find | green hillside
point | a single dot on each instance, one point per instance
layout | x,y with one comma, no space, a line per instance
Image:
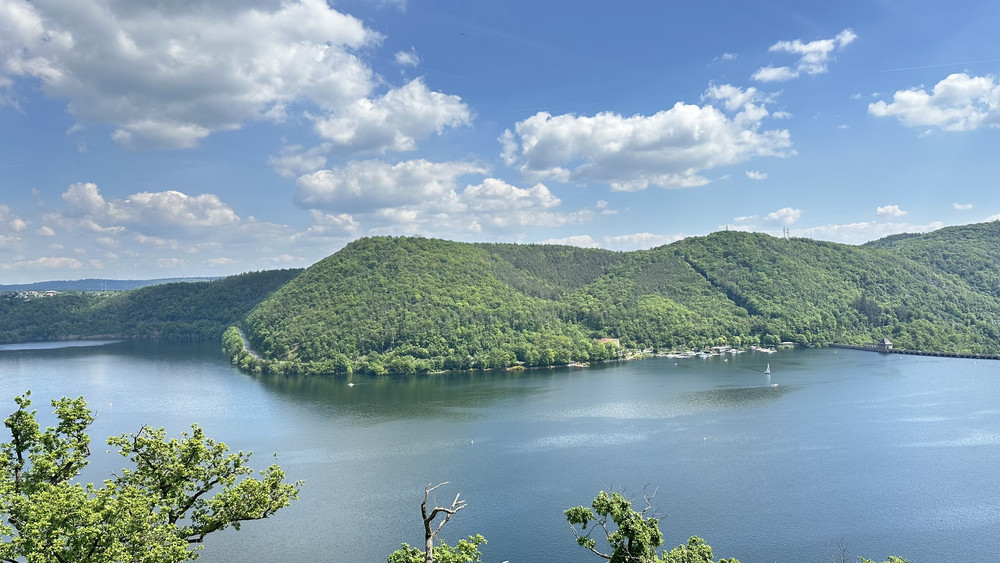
413,304
181,310
407,305
410,304
971,252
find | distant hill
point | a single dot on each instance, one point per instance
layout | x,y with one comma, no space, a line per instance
411,304
408,304
179,310
971,252
95,284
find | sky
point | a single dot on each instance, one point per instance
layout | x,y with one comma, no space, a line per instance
170,138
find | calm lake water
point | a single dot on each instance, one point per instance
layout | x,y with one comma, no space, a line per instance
885,454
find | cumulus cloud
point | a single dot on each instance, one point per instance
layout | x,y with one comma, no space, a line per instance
785,216
813,57
395,121
957,103
9,222
890,211
167,75
44,263
639,241
756,175
864,231
293,160
771,73
961,206
408,58
364,186
170,212
582,241
415,196
636,241
669,149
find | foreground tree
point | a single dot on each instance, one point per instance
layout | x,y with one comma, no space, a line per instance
179,491
631,536
465,551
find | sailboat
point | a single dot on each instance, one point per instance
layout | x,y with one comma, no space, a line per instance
768,369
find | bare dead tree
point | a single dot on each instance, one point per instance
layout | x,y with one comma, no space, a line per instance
430,530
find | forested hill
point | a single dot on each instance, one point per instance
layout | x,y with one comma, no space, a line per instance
971,252
412,304
181,310
92,284
406,305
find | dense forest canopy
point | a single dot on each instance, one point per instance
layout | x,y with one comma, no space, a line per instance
180,310
408,304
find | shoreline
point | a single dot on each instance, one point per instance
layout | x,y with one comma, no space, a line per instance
918,352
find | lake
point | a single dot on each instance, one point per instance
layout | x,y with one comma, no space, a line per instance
885,454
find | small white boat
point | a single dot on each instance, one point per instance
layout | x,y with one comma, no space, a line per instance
768,369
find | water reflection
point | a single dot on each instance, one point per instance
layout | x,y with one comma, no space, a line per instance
734,397
55,345
454,396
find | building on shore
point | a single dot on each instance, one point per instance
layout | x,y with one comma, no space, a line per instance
884,345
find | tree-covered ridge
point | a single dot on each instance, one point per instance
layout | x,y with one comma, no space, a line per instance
411,304
970,252
182,310
814,292
406,305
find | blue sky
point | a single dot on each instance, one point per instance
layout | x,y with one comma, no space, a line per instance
193,138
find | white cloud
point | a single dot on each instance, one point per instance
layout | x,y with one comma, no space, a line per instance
957,103
167,75
890,211
419,196
496,195
44,263
393,122
10,222
340,224
961,206
773,74
294,160
582,241
639,241
785,216
364,186
813,57
993,218
171,212
636,241
408,58
864,231
745,218
726,57
669,149
756,175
